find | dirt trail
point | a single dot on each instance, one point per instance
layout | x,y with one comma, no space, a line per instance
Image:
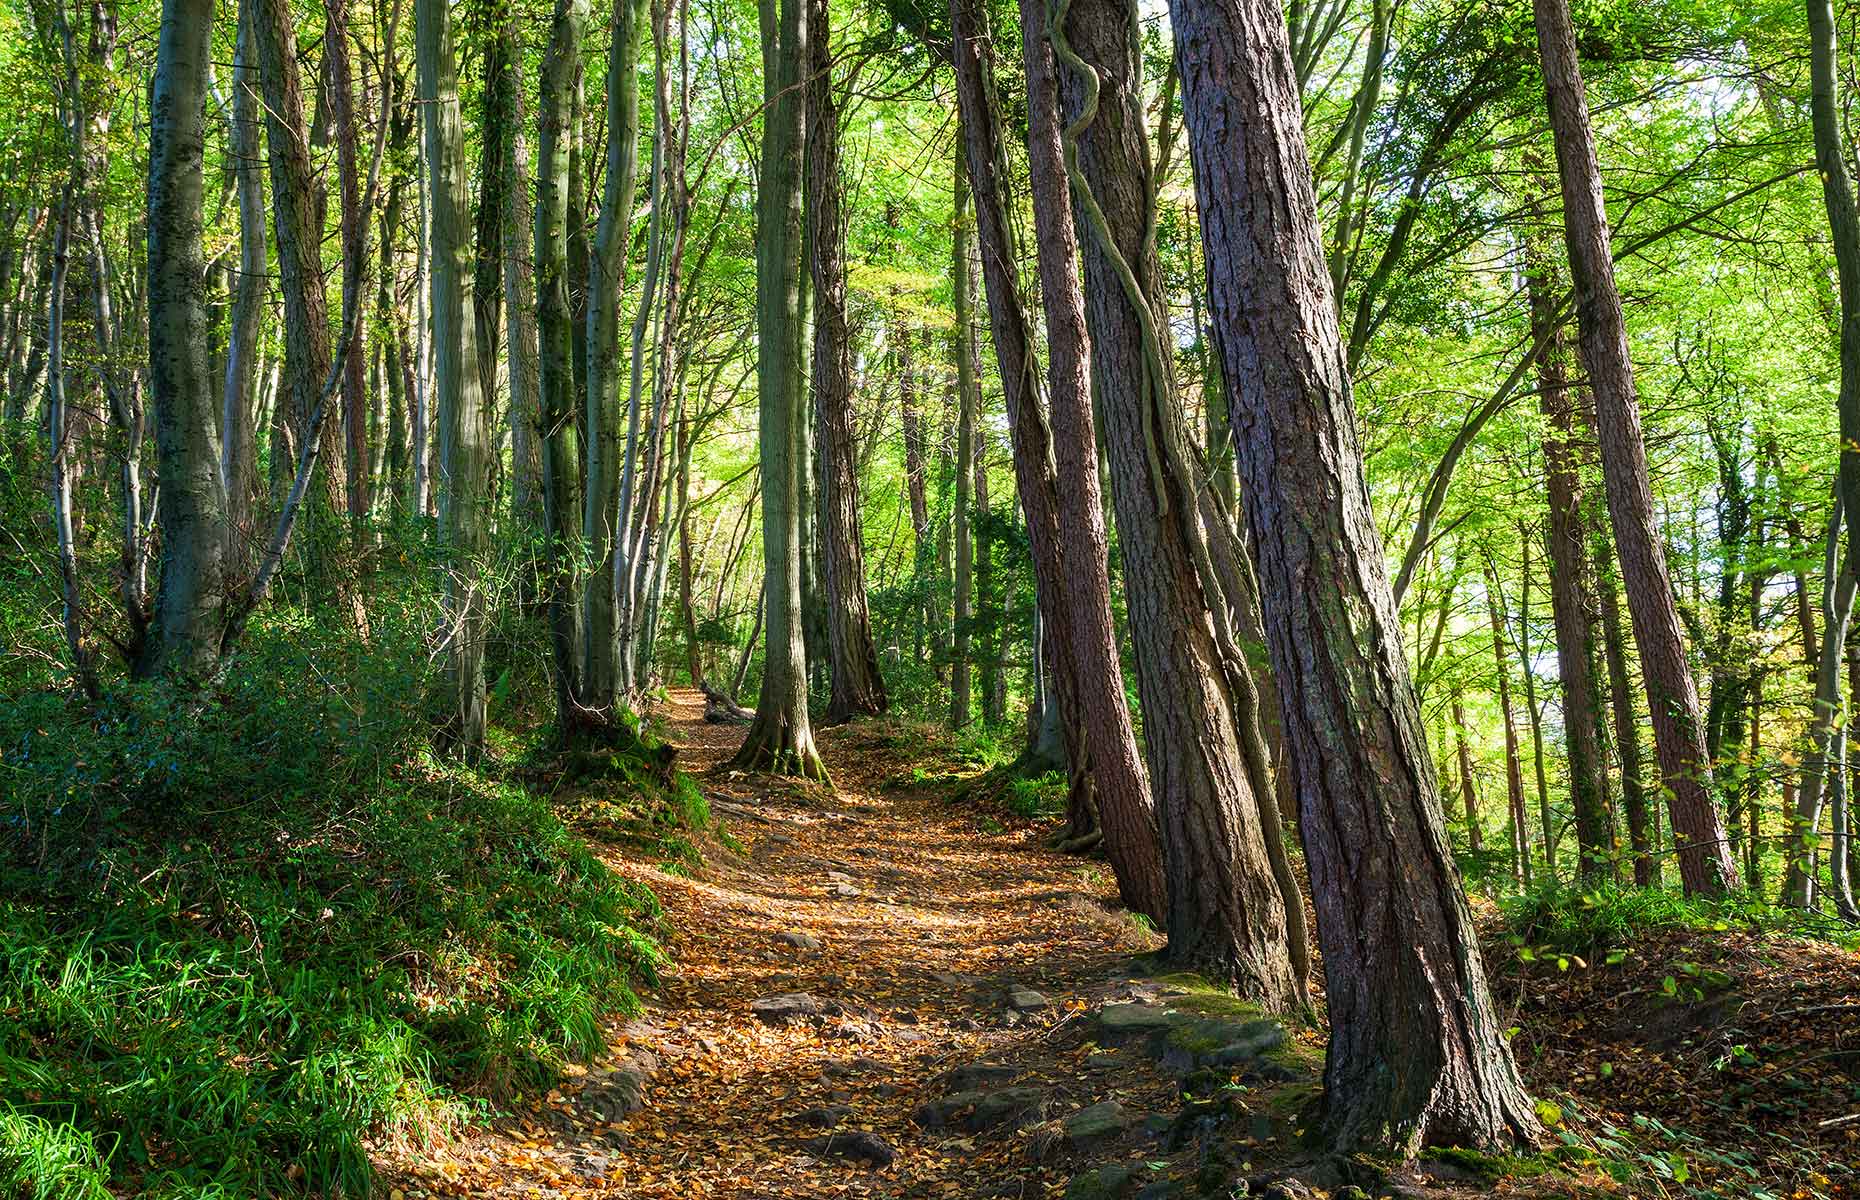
915,927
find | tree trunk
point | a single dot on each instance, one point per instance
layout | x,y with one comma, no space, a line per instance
1572,582
340,92
781,739
1229,910
968,400
1705,864
857,686
1546,827
520,337
1056,468
238,430
297,217
556,394
190,605
464,461
1417,1052
1641,834
1469,793
602,500
1514,767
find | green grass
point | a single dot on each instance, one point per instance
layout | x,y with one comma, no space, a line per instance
242,942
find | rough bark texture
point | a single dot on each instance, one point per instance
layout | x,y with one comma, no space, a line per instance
1705,864
184,636
1055,465
1417,1053
341,101
519,275
1227,908
857,686
781,739
464,460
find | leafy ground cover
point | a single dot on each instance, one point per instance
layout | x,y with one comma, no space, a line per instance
244,945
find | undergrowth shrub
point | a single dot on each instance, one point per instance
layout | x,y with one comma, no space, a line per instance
1610,916
242,938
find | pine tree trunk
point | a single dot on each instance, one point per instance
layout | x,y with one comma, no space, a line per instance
184,638
781,739
520,338
1705,864
1417,1053
857,686
1228,909
341,99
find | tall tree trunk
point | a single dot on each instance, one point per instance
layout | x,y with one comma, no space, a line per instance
1705,865
341,99
1514,766
190,605
1417,1052
781,739
1572,581
857,686
1546,827
498,121
1801,841
519,275
1469,792
1642,837
239,402
1229,910
464,461
556,395
968,400
296,199
1055,463
602,501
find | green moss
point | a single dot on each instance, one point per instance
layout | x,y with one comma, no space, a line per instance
1215,1004
1488,1169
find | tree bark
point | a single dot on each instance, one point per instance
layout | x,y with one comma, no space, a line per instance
190,604
1055,463
1229,910
968,400
1417,1052
464,461
1514,766
520,338
1572,579
556,393
781,740
1705,864
857,686
340,93
238,429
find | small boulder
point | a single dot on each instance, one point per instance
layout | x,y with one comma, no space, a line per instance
785,1009
976,1111
1101,1183
1124,1022
859,1145
979,1075
799,941
1104,1120
1026,1000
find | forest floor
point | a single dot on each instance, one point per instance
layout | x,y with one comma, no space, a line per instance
874,992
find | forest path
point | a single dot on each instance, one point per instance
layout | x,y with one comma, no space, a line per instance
909,922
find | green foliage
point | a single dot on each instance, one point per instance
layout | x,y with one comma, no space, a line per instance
1551,921
1037,796
240,934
